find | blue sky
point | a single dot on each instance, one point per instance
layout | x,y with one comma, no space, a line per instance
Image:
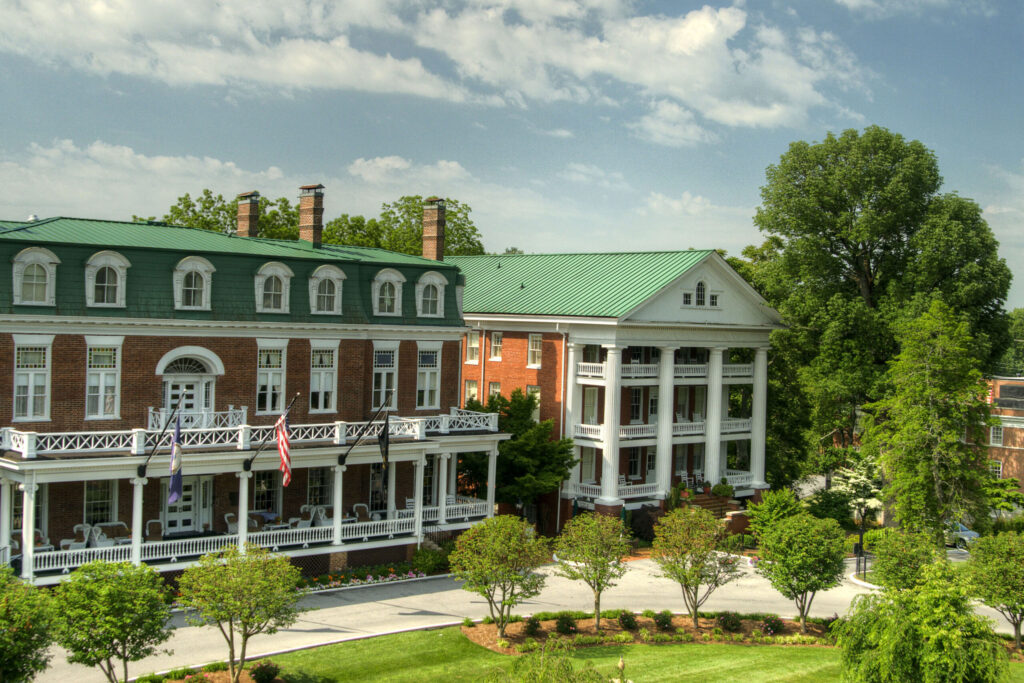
567,125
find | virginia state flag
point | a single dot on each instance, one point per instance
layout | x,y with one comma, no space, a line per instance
175,487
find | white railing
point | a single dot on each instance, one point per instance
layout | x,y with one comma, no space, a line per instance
51,442
284,537
645,431
384,527
68,559
691,370
5,554
738,370
739,477
468,421
731,425
466,509
199,419
638,370
590,370
588,490
5,438
587,431
687,428
431,513
637,490
186,547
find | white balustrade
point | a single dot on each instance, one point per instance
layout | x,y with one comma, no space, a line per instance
59,560
639,370
645,431
732,425
186,547
588,490
691,370
637,490
587,431
738,370
199,419
5,554
739,477
430,513
384,527
687,428
278,538
466,508
595,370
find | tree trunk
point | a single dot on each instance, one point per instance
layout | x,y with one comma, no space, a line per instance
803,622
597,611
124,663
1016,635
241,657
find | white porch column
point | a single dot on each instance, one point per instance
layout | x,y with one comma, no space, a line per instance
419,464
666,416
453,475
137,484
713,424
339,509
391,489
758,416
574,473
492,474
610,429
442,487
6,489
28,529
572,394
243,509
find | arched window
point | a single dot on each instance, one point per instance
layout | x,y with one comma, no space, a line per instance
35,277
106,274
700,293
272,288
430,295
387,292
193,284
325,290
105,288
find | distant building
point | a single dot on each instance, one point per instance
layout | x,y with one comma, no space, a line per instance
1006,442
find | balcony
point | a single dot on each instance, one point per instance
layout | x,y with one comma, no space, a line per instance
641,431
624,491
199,419
736,425
686,371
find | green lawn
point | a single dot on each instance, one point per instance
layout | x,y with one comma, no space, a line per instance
446,655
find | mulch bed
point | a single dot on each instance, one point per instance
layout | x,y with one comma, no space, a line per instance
486,635
220,677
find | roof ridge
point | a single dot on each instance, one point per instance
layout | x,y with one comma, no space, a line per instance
584,253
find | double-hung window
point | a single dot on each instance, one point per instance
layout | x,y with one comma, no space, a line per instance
273,287
995,436
636,399
472,390
385,375
473,346
532,390
266,491
428,375
996,468
651,462
494,388
652,405
496,345
323,377
270,376
103,382
100,501
533,353
588,465
321,486
32,377
634,463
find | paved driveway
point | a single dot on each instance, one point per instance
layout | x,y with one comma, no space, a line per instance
355,613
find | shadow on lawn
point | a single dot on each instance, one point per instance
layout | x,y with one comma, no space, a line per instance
300,677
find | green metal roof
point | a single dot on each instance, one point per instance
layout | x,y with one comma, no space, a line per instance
123,234
593,285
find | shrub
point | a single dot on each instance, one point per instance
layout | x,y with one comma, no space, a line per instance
468,623
737,637
645,635
581,639
503,644
900,557
264,671
724,490
515,618
730,621
649,613
663,620
718,632
429,561
532,627
200,677
487,620
662,638
643,521
180,672
772,624
756,633
623,638
565,624
151,678
774,506
528,646
216,666
612,613
831,504
749,542
627,620
685,637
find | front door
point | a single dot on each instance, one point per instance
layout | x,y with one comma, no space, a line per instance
192,397
183,515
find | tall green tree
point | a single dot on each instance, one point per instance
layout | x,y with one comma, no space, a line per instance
901,556
592,549
109,614
26,628
918,432
279,218
996,571
1012,362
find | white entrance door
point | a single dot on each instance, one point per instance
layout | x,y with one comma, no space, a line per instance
194,396
183,515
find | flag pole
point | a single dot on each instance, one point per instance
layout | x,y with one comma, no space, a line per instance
141,471
366,428
247,464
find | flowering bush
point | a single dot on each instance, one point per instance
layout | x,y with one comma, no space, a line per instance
362,576
565,624
197,677
264,671
772,625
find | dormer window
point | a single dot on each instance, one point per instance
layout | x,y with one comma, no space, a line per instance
35,277
106,277
700,293
387,292
325,290
193,282
430,295
272,288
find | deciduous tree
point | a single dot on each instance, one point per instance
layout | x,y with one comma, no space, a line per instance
279,218
591,549
26,628
773,508
901,556
400,228
996,572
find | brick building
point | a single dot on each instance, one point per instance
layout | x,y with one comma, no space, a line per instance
655,364
108,328
1006,442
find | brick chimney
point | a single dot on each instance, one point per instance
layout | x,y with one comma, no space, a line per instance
311,213
433,229
248,214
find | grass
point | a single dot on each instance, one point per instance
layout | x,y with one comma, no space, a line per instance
444,654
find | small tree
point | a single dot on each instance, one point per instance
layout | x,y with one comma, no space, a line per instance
800,556
928,633
242,595
996,570
861,482
900,556
774,506
686,543
591,548
497,559
26,628
110,613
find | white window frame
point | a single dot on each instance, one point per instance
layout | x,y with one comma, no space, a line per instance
427,376
588,471
201,266
395,278
473,346
590,405
275,490
112,500
493,389
687,299
326,273
384,371
325,486
281,373
653,394
476,390
534,356
104,374
267,271
106,259
33,341
431,277
496,339
324,374
714,299
41,257
995,436
652,459
700,294
636,405
995,467
634,464
535,390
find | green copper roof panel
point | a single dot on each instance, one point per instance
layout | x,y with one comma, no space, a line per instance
595,285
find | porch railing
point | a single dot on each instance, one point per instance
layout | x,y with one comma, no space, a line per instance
587,431
639,370
56,560
187,547
5,554
687,428
739,477
623,490
688,370
738,370
637,490
199,419
732,425
302,537
476,508
643,431
590,370
587,490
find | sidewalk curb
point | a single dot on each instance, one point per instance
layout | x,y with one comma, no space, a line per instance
863,584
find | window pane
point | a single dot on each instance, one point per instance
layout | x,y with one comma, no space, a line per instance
33,284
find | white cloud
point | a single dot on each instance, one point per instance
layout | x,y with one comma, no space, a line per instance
880,9
557,133
1005,215
691,220
670,125
588,174
396,171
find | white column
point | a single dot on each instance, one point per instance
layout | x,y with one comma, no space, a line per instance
6,489
418,497
713,420
492,474
574,474
666,415
612,410
137,484
243,509
758,416
28,529
453,475
572,394
391,489
442,487
339,509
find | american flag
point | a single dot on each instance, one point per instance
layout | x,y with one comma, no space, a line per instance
281,432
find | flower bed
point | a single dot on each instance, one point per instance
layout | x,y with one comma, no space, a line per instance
360,577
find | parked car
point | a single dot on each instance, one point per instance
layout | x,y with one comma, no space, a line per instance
959,535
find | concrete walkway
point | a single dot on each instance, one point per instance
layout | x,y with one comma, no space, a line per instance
373,610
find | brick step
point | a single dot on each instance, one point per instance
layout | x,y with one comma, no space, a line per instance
716,505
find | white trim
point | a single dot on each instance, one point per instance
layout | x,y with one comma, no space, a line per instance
475,347
429,345
113,485
198,351
199,265
326,273
385,344
44,341
33,339
324,345
529,343
275,343
280,345
435,348
267,271
391,346
35,256
431,277
501,339
992,441
104,340
106,259
394,277
114,343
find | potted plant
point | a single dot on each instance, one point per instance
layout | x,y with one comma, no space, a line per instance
706,486
723,489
